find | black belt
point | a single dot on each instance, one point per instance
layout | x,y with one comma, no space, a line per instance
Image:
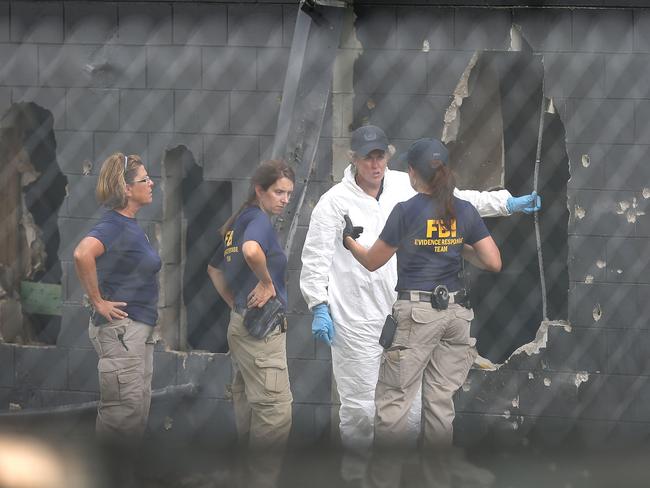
458,296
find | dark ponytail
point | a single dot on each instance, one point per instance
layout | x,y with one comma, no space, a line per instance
267,173
440,181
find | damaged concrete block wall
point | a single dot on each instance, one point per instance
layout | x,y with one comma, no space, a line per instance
195,89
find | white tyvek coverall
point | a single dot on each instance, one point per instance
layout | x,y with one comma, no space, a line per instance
358,299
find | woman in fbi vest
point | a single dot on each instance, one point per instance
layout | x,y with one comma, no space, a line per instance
431,345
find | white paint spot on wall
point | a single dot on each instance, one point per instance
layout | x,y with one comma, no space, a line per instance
619,271
425,46
601,264
622,206
629,209
580,212
531,376
646,193
515,402
169,422
547,381
589,279
581,377
597,313
466,386
568,328
506,414
586,161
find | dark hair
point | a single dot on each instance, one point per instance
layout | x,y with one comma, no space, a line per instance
440,182
267,173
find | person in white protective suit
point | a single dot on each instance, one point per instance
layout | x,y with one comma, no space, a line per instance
350,303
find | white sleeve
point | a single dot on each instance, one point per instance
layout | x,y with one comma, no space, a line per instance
320,245
488,203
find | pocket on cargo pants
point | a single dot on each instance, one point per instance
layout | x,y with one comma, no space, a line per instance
276,376
121,381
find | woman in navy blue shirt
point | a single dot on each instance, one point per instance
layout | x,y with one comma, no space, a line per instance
432,347
248,269
118,269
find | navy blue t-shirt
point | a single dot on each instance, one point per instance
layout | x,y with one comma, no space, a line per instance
127,271
251,225
428,254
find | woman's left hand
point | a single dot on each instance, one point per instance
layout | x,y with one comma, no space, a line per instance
261,294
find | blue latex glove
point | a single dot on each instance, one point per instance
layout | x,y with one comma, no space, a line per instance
322,327
526,203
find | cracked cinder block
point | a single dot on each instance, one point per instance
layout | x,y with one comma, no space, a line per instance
7,361
254,112
489,392
92,109
41,367
300,343
18,64
209,371
587,166
82,371
37,22
92,66
310,380
587,258
255,25
550,394
74,327
200,24
230,157
52,99
90,23
482,29
628,260
160,143
581,349
602,212
272,66
165,366
611,305
574,75
624,75
545,29
145,23
425,28
75,152
628,352
146,110
80,201
604,121
229,68
601,30
379,71
376,26
174,67
421,116
201,112
444,70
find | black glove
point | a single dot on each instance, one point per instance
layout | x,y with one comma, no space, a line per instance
350,230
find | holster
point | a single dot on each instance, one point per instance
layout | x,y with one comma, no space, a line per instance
260,322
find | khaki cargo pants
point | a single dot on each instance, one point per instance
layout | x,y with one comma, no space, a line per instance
431,348
125,350
260,388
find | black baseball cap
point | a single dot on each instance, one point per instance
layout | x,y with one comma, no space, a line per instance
423,151
368,138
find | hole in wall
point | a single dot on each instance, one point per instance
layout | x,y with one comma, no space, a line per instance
32,189
194,315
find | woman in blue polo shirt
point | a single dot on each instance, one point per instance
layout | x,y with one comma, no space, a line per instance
118,269
248,269
432,346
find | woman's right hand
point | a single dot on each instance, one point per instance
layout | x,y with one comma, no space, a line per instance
111,310
261,294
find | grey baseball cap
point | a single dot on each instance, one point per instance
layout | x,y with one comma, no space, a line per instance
368,138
